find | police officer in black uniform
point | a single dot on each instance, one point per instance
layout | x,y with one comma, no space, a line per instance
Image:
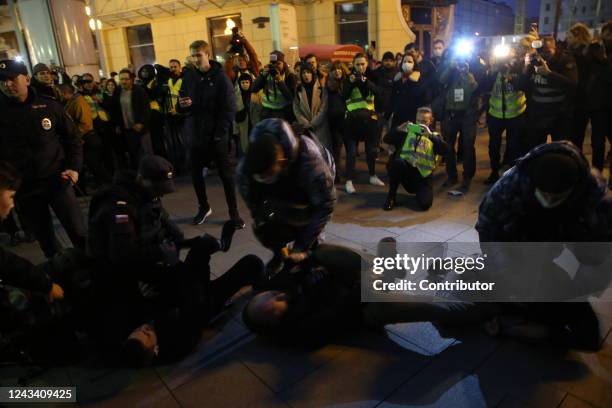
42,142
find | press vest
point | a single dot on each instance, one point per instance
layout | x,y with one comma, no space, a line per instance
174,91
418,150
506,102
273,98
357,101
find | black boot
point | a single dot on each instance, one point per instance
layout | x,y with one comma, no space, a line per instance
389,203
492,178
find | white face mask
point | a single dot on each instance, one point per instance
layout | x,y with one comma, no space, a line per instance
547,202
407,66
266,180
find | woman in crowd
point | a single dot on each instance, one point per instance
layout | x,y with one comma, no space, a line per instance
336,109
310,105
249,110
408,93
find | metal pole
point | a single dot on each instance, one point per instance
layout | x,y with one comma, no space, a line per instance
100,45
557,19
23,49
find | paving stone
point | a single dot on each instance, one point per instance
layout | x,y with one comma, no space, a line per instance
572,402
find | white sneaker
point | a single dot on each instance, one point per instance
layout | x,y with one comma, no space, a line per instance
350,188
375,181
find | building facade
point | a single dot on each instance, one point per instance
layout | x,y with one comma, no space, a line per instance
484,17
590,12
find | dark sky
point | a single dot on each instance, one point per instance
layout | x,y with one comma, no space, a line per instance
533,6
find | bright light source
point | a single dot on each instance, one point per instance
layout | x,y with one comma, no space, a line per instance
88,11
464,47
476,33
293,48
92,24
501,51
99,24
19,58
229,24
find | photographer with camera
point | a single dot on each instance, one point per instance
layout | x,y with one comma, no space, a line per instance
241,57
414,160
551,78
460,112
153,78
361,121
278,85
507,105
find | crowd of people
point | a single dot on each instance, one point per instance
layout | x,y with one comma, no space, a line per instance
133,133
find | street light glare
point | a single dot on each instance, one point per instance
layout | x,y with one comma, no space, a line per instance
501,51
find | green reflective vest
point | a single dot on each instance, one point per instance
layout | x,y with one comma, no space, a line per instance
506,102
95,103
273,98
418,150
357,101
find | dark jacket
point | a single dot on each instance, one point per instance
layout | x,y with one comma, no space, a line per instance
599,86
213,104
460,90
286,87
307,181
21,273
127,225
406,98
337,104
366,88
510,211
45,90
38,137
324,295
140,107
383,78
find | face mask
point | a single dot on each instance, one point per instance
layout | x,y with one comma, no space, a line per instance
265,180
438,53
547,203
407,67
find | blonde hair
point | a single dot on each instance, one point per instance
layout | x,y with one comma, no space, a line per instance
581,33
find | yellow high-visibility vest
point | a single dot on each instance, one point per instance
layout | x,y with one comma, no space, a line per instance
418,150
357,101
174,91
506,102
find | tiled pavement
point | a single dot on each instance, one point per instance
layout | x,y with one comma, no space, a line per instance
407,365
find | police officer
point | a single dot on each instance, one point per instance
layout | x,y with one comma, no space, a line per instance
416,148
43,143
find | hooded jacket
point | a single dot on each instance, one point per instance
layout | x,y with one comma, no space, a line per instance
307,180
511,213
213,104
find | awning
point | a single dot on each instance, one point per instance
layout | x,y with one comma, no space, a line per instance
331,52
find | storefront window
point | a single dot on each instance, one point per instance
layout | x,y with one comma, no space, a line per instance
221,34
352,23
140,43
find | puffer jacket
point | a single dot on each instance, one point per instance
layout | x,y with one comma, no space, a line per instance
308,180
511,213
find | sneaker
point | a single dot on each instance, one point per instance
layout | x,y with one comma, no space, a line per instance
375,181
202,215
350,188
492,178
238,222
451,181
465,186
389,204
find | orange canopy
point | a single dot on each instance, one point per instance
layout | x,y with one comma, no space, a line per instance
331,52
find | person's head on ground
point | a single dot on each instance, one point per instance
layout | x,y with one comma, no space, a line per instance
360,63
156,174
266,311
245,81
9,184
42,73
265,159
126,79
554,176
424,116
14,80
388,60
200,54
66,91
175,68
141,347
438,48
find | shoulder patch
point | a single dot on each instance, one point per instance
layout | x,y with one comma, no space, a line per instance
122,219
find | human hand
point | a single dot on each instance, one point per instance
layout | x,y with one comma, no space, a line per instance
297,257
70,175
56,293
543,69
138,127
